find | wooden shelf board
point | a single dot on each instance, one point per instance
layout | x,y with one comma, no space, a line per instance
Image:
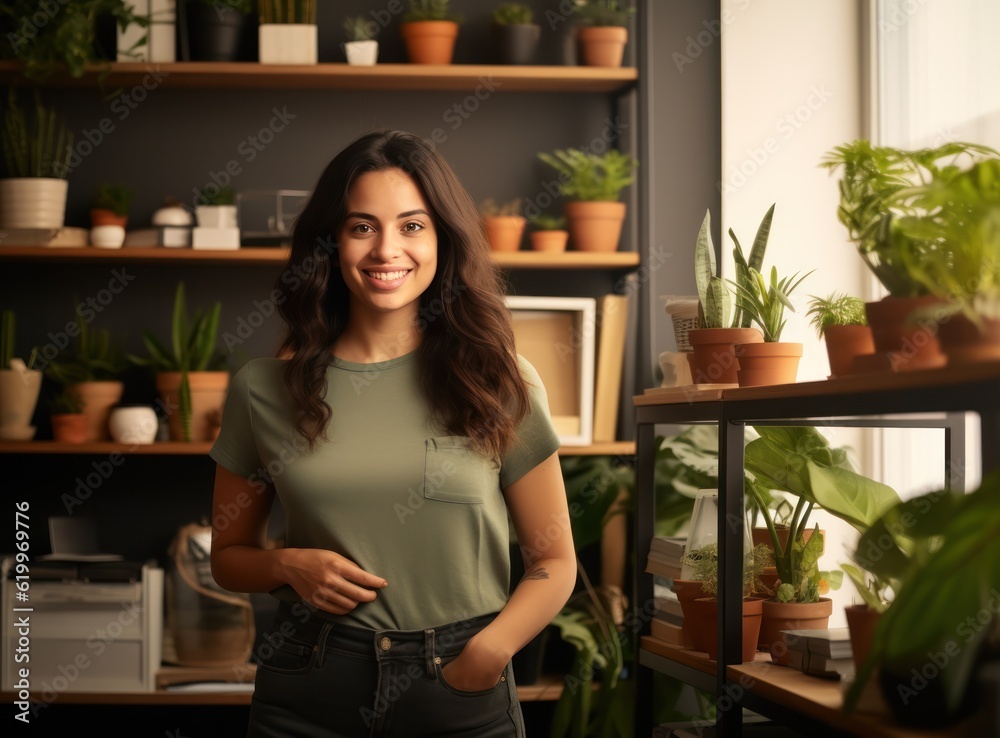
821,700
341,76
261,254
692,659
682,394
606,448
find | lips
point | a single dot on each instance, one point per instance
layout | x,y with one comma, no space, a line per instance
386,279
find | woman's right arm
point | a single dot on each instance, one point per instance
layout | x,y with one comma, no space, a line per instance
241,561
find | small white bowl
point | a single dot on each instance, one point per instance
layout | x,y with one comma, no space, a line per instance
137,424
107,236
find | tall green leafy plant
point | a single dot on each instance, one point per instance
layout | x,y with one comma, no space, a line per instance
287,11
591,177
39,145
765,303
192,349
92,358
8,332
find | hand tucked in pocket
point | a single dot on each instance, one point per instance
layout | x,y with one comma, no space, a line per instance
472,671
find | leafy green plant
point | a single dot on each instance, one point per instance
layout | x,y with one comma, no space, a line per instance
192,349
952,238
35,146
604,12
742,317
837,309
591,177
359,28
507,14
92,358
66,38
957,577
287,11
221,196
66,403
872,201
766,303
705,563
431,10
8,324
116,198
543,222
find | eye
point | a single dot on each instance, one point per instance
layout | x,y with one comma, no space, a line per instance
413,227
362,228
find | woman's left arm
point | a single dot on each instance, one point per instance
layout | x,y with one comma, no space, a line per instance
538,507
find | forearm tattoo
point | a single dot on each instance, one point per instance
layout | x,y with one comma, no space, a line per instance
538,573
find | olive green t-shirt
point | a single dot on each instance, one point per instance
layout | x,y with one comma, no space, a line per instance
389,489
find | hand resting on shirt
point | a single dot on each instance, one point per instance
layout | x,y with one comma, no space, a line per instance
329,581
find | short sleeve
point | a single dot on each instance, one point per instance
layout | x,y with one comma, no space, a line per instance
235,448
536,436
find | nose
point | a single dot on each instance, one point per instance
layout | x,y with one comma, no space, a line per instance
386,246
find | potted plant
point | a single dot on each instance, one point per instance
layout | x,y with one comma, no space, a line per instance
216,210
69,424
712,358
20,384
841,320
191,376
872,203
92,370
37,153
504,224
773,361
65,36
513,35
287,33
958,213
111,205
361,48
548,233
213,29
429,31
705,561
602,40
594,183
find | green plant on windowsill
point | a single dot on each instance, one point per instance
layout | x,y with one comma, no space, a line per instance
766,303
66,38
92,358
431,10
590,177
837,309
511,14
192,349
37,146
604,12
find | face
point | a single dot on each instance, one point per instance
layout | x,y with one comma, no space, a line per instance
388,244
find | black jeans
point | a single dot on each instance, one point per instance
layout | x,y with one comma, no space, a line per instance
316,678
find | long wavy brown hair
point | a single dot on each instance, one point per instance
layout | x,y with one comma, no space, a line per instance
467,360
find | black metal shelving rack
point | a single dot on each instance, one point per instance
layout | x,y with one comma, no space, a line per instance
925,399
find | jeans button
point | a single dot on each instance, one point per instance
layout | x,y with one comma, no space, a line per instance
385,643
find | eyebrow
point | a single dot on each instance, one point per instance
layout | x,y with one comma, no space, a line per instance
407,214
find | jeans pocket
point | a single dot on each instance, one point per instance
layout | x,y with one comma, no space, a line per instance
478,693
282,656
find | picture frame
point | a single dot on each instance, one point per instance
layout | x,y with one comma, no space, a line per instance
556,335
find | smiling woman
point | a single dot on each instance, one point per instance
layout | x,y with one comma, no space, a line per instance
421,430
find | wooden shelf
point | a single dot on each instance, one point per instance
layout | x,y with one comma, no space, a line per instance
199,448
273,255
381,77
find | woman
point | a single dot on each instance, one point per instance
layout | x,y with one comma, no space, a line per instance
398,433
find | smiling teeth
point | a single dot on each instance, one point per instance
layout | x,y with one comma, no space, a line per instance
388,276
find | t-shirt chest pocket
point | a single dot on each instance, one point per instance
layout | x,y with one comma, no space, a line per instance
455,472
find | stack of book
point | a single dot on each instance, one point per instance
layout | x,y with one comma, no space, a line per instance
825,652
664,562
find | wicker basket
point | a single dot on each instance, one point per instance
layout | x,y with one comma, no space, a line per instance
684,313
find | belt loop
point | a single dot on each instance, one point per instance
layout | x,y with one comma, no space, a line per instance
321,642
429,653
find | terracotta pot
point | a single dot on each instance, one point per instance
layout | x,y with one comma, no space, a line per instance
861,621
208,393
963,342
98,399
843,343
549,240
779,616
430,42
70,428
595,226
505,231
767,363
752,609
713,360
900,344
761,536
602,46
103,216
688,592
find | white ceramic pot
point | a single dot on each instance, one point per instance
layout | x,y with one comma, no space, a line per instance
136,425
172,215
287,43
19,388
361,53
216,216
33,202
107,236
